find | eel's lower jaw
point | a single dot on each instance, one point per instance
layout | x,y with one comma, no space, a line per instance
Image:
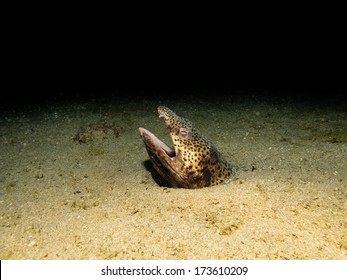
155,145
164,160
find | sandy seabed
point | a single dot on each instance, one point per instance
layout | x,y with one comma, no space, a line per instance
74,182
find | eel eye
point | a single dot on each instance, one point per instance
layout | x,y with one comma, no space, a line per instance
184,133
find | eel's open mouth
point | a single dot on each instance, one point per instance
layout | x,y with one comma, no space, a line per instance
163,158
155,145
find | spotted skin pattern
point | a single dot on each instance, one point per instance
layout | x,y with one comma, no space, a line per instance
197,163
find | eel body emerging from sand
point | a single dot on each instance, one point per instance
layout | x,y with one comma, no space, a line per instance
194,162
